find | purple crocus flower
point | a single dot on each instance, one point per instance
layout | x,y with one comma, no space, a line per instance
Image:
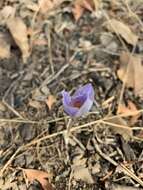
80,102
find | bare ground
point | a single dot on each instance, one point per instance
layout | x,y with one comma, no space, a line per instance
105,149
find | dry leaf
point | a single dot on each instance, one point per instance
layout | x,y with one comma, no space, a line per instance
129,109
18,30
77,11
34,104
123,30
82,173
7,12
48,5
133,108
50,101
4,47
97,4
122,109
40,176
126,133
122,72
131,72
79,7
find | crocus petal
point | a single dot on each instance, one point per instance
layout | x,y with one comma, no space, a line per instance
70,110
78,99
84,109
86,89
66,97
80,103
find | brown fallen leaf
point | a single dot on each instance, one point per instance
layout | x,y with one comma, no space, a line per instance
7,12
77,11
4,47
40,176
80,5
48,5
129,109
18,30
133,76
123,30
122,109
122,127
50,101
82,173
122,73
134,118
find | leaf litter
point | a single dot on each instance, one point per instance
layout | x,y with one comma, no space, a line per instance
82,173
4,47
39,175
80,5
48,5
47,149
122,128
123,30
50,101
131,72
129,109
18,30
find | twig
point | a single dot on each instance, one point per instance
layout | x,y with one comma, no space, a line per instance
97,148
66,136
48,80
10,160
123,168
93,123
116,125
12,109
132,13
31,122
131,174
49,49
70,180
78,142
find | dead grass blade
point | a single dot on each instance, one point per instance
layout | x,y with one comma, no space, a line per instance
93,123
